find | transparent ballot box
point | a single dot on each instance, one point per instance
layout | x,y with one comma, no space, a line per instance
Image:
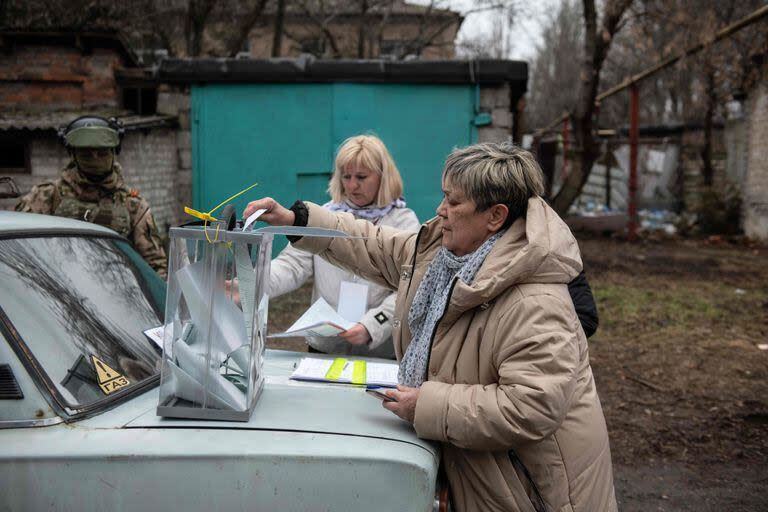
215,323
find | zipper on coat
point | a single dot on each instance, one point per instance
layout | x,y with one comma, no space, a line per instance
539,505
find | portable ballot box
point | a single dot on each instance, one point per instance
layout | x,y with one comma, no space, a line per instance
215,323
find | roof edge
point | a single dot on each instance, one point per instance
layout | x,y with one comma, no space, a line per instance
307,70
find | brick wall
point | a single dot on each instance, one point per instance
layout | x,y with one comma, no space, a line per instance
150,163
40,77
755,191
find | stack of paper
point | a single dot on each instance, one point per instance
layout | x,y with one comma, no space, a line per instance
320,320
320,370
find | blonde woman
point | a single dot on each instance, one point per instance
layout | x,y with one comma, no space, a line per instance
367,184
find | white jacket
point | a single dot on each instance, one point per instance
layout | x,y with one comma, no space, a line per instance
293,267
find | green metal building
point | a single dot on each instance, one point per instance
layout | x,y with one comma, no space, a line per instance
280,122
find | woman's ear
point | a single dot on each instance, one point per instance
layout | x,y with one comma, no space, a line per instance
497,214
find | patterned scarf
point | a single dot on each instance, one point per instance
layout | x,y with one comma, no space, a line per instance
430,302
370,213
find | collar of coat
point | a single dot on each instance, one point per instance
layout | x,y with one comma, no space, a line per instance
539,248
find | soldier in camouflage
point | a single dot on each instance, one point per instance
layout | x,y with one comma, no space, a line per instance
91,189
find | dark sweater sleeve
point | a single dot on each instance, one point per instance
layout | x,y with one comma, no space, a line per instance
301,217
584,303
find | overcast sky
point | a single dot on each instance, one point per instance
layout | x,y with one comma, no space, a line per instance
529,20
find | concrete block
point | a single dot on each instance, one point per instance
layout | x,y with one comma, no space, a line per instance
184,139
183,100
185,158
166,104
184,178
184,122
494,96
502,118
493,134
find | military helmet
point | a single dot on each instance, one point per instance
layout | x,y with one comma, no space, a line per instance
92,132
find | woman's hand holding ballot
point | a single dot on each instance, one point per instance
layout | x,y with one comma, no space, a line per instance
275,214
405,406
357,335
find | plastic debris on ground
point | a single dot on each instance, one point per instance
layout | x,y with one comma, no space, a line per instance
665,221
596,218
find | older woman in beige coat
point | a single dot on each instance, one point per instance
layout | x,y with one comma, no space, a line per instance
493,361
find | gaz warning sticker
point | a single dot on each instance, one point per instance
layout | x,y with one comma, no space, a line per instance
109,380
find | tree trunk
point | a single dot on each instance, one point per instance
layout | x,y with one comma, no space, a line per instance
277,41
194,25
361,29
707,169
597,42
582,116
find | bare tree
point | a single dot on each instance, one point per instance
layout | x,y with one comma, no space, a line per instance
598,36
556,67
497,43
428,26
639,35
187,28
277,39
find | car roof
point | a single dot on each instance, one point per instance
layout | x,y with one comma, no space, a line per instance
34,223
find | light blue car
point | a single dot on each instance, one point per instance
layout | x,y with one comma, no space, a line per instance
71,291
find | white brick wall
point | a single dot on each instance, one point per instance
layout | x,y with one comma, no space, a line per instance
755,197
150,164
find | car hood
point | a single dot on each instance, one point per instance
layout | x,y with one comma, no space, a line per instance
284,405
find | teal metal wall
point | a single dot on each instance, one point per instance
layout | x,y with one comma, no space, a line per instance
285,136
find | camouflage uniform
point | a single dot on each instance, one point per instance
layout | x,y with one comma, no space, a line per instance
108,203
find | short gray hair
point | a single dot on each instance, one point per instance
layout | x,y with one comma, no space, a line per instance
496,173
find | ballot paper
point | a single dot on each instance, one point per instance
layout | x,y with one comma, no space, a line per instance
319,321
353,300
317,370
196,369
253,217
155,334
228,331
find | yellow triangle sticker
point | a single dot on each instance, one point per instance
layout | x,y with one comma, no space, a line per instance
110,380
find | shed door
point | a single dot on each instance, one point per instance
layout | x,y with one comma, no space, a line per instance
285,137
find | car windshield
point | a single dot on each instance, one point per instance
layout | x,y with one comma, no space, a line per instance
81,305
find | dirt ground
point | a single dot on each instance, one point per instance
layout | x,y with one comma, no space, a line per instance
682,381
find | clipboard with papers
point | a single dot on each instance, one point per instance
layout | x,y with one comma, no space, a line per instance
347,371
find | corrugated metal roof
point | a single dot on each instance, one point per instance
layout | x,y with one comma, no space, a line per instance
52,120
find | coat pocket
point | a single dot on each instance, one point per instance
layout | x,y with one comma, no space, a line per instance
537,500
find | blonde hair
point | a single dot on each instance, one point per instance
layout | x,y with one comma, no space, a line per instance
367,152
492,174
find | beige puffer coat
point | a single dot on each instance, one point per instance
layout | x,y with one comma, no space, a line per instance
509,368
